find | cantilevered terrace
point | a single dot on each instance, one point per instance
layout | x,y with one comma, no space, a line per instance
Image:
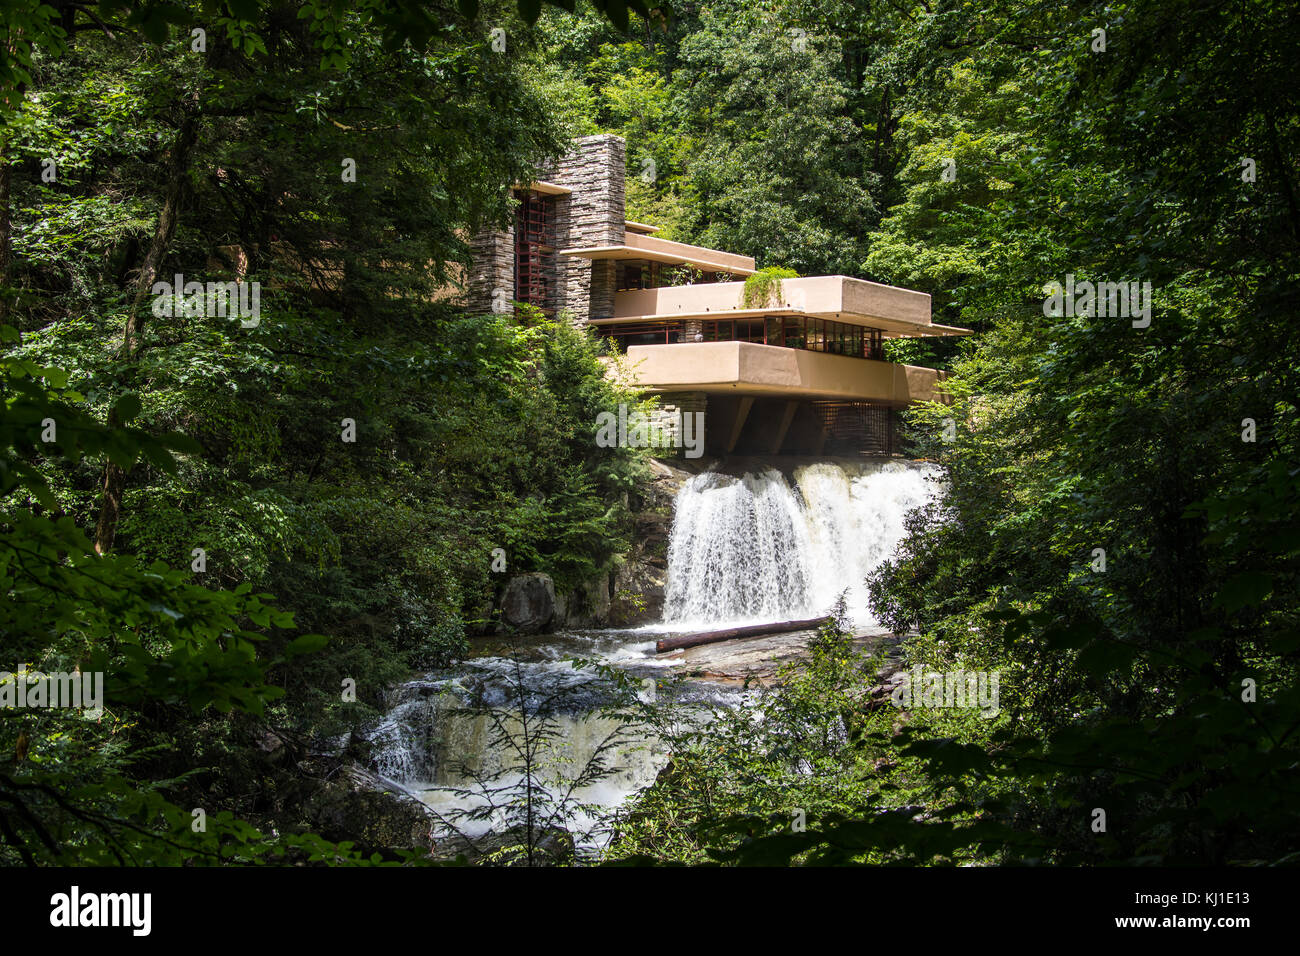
821,338
804,372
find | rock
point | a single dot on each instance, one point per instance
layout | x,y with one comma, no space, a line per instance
356,806
552,846
596,593
639,582
661,490
270,742
639,590
586,606
528,604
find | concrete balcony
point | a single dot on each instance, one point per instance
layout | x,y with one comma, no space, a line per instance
897,312
745,368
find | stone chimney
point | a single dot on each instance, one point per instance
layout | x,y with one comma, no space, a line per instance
591,215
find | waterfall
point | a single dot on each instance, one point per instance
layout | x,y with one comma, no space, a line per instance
757,549
754,548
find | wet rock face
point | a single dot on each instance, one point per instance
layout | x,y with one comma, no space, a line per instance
528,604
587,605
375,821
639,583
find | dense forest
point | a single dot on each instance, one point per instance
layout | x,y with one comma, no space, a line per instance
255,528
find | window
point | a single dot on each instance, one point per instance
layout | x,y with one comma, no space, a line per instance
792,332
534,251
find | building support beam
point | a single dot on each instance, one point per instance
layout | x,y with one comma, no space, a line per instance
738,424
787,416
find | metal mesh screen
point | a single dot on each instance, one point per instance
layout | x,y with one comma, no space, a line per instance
858,428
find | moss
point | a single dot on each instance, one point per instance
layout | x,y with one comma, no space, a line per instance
763,288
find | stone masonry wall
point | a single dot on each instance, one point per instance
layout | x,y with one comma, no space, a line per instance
667,419
593,215
494,268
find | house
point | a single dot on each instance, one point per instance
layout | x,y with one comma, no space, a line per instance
799,369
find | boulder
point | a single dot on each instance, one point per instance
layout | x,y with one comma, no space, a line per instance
356,806
586,606
528,603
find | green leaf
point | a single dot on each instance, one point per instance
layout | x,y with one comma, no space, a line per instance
307,644
1244,590
128,407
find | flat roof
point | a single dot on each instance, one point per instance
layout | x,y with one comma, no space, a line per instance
545,188
639,226
624,253
837,298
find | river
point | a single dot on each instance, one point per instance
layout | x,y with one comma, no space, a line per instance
520,719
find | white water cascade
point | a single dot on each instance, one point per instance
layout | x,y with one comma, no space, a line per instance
756,549
457,742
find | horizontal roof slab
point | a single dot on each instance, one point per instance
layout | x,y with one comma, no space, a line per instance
637,246
547,189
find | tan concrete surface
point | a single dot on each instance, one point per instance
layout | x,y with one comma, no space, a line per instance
841,298
745,368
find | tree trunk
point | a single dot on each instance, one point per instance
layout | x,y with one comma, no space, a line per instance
110,508
12,103
5,233
731,633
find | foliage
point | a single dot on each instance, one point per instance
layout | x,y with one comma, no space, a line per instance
472,433
763,288
1118,539
161,645
761,783
1111,541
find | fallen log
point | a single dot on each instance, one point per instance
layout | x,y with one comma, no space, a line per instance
731,633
